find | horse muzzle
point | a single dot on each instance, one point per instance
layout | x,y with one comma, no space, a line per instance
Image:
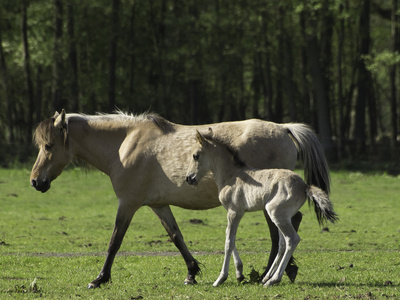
41,186
191,179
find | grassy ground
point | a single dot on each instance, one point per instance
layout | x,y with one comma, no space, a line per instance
53,244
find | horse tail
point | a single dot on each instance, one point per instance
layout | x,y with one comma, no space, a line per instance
322,205
311,153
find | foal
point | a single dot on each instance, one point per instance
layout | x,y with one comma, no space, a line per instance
278,191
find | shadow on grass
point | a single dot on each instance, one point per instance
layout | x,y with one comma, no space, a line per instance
385,284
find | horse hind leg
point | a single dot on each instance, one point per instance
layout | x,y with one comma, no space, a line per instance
168,221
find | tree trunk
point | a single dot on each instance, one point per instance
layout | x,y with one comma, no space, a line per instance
57,59
266,73
363,81
9,102
393,73
305,89
27,70
132,57
278,113
73,58
113,55
340,130
38,95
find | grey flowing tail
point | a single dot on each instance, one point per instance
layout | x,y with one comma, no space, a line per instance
311,153
322,205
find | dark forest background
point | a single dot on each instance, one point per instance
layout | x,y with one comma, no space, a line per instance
332,64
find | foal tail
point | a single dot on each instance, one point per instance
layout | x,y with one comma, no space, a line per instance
322,205
311,152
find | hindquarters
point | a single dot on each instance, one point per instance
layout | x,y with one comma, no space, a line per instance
287,194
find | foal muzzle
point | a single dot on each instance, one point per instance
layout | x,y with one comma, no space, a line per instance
191,179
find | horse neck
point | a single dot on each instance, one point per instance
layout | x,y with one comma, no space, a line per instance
222,166
95,142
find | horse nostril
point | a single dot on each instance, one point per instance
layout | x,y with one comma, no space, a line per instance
34,183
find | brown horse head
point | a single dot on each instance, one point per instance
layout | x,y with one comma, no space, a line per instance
51,137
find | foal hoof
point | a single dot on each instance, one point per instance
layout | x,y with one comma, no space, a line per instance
240,279
271,282
291,272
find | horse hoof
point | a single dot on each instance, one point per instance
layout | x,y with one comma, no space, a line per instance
190,281
291,272
93,285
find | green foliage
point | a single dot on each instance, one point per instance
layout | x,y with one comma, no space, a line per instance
384,59
194,62
53,244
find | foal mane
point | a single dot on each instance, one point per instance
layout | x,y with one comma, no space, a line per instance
228,147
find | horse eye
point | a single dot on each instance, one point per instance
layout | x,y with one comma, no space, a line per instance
48,147
196,157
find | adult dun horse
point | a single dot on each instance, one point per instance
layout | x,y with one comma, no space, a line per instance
145,157
241,189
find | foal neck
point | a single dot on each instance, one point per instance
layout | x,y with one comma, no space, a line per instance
223,166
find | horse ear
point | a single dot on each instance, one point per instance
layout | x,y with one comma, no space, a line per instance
200,139
210,131
60,119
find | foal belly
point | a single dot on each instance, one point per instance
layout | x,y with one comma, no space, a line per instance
254,199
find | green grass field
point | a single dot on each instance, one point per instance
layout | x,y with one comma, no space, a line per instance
52,245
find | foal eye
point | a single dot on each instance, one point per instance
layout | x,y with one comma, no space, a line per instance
196,157
48,147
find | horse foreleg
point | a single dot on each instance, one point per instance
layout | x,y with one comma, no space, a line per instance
231,230
168,221
291,269
122,221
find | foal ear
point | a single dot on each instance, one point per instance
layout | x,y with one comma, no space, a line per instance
60,119
200,139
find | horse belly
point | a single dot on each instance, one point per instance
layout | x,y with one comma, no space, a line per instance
200,197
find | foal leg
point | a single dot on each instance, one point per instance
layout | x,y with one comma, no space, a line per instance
291,269
167,219
238,265
291,239
233,224
277,260
122,221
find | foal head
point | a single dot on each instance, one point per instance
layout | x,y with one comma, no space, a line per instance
200,161
51,140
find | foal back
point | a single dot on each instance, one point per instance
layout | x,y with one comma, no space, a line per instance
254,189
